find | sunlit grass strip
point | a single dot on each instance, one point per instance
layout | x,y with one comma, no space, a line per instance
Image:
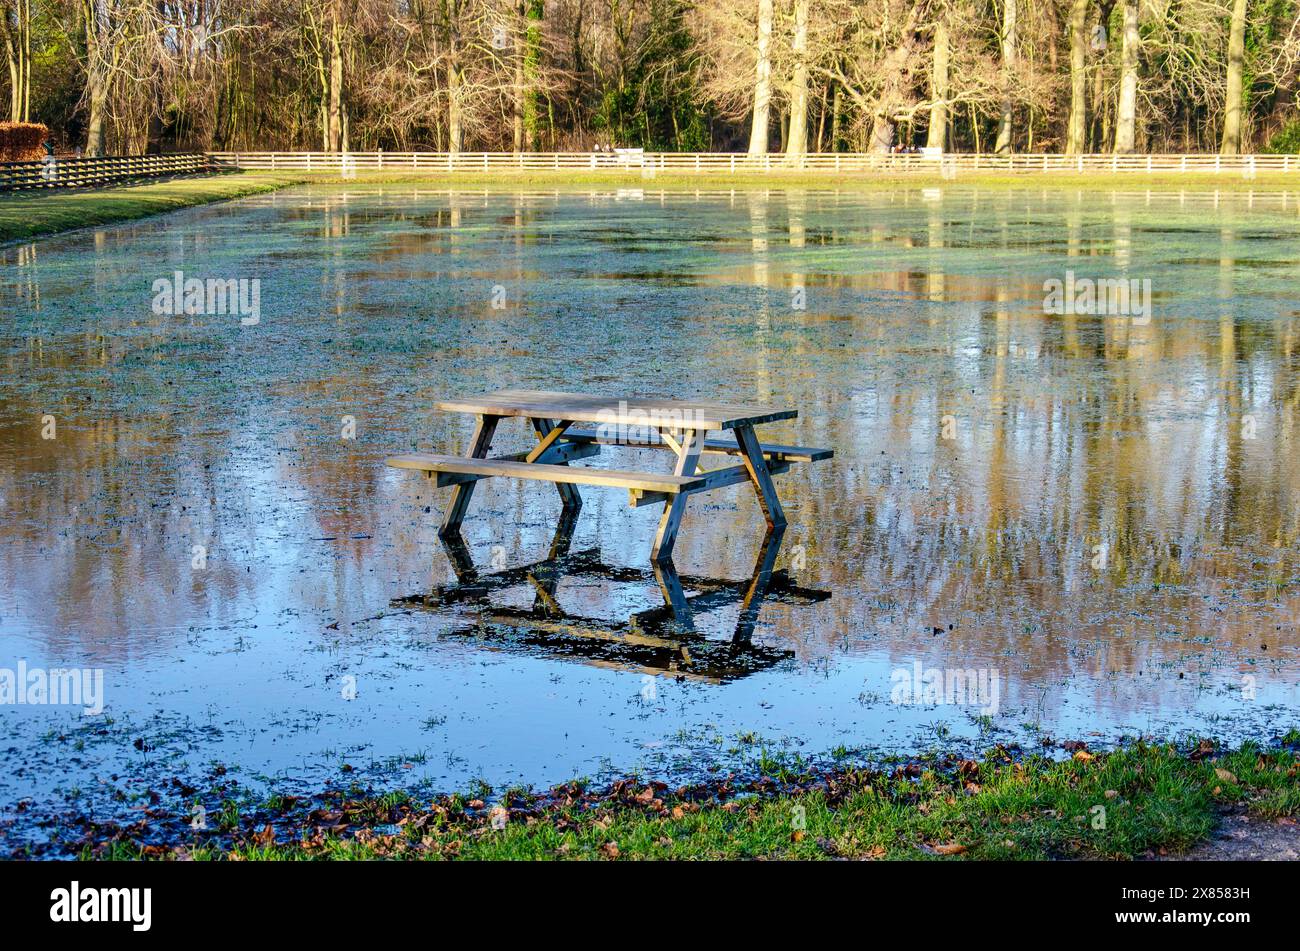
1137,800
30,215
1195,182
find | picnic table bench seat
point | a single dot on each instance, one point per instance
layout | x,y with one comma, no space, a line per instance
712,444
623,478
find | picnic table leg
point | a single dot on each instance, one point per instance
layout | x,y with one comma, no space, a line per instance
670,586
548,434
462,563
752,456
546,576
688,459
752,602
479,445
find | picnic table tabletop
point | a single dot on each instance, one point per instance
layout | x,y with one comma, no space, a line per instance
585,408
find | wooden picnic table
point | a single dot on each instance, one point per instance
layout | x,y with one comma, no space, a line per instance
688,429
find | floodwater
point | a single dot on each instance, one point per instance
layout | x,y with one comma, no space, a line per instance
1096,509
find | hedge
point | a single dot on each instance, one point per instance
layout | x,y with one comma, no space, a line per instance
22,141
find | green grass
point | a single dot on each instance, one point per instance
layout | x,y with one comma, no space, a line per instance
1124,804
1172,181
25,215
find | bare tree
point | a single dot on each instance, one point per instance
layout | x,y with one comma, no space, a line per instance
1003,143
1232,108
762,80
16,33
937,133
797,142
1076,137
1126,112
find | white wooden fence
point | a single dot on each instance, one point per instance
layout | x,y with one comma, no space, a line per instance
647,163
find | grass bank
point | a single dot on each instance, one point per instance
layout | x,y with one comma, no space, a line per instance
1139,801
25,215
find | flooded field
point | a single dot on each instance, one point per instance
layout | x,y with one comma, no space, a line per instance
1087,509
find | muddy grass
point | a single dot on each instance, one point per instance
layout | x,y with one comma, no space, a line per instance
1241,837
1144,800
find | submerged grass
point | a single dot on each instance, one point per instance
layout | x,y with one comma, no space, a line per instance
25,215
1136,801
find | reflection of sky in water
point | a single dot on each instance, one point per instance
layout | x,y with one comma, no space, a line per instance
1070,432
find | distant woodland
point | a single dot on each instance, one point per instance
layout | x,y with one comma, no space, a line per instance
131,76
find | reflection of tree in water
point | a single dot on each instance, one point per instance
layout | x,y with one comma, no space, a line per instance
1072,431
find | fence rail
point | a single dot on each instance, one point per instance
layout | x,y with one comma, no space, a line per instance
83,172
954,163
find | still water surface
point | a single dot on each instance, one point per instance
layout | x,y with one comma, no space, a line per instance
987,454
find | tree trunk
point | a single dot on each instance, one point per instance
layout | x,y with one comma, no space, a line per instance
1008,70
837,120
517,118
95,119
937,135
797,141
455,134
335,117
1077,133
27,61
895,92
533,12
18,56
1126,121
1231,144
455,123
763,81
15,83
96,79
